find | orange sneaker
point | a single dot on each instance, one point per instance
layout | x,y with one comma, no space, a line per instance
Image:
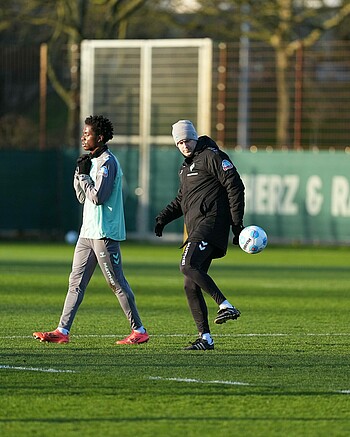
134,338
51,337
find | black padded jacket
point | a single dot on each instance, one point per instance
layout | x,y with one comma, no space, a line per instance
211,196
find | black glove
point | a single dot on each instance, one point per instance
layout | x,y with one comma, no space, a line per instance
84,164
158,230
236,229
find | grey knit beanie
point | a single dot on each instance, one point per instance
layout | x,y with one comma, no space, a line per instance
184,130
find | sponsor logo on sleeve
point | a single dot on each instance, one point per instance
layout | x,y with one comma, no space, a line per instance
103,171
226,165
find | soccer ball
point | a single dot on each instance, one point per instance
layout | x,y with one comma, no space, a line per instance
71,237
252,239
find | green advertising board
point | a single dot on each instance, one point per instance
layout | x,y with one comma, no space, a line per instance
297,196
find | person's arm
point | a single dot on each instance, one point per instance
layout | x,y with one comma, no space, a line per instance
222,167
101,190
78,189
171,212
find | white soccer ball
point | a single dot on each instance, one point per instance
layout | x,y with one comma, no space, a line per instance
253,239
71,237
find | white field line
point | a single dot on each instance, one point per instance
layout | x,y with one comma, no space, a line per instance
36,369
198,381
201,381
154,378
308,334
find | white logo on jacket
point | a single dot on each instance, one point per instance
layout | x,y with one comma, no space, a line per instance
193,173
203,245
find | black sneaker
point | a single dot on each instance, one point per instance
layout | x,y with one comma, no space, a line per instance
227,314
200,344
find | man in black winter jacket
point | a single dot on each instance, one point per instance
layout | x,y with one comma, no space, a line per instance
211,199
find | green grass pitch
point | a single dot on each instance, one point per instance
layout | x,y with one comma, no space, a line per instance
282,369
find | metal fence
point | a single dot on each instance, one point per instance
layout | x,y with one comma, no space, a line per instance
243,104
245,95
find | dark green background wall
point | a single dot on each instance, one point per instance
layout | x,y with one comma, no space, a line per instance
295,196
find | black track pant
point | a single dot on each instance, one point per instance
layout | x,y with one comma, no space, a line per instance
195,263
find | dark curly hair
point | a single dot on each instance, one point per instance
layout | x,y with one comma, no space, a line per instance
101,126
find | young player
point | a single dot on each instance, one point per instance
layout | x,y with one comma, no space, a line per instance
98,185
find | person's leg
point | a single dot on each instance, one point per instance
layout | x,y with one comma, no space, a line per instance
83,266
110,261
197,304
195,263
195,298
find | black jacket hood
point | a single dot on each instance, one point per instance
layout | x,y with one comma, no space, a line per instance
204,142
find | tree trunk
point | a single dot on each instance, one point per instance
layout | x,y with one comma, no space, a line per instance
73,119
283,100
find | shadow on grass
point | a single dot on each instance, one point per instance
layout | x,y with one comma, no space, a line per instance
57,267
180,418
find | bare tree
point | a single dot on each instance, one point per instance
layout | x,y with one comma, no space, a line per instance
63,24
285,25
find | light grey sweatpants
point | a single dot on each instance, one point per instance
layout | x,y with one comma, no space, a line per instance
88,253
